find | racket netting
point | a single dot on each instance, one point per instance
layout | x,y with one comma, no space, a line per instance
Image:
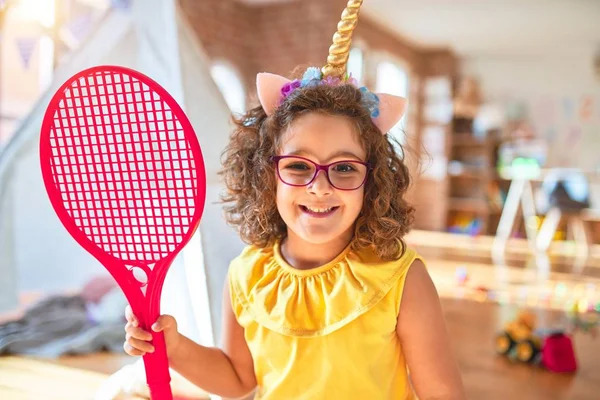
123,167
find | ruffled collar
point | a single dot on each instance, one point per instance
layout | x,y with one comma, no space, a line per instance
317,301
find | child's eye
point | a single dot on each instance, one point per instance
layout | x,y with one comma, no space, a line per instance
298,166
344,168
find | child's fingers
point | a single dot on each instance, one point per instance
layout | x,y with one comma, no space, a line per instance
130,316
137,333
164,322
132,351
138,344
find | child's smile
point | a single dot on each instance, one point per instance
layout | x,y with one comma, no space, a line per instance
319,212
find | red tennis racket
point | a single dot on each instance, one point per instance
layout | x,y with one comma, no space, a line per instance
125,174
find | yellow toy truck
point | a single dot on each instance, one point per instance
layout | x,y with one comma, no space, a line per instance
518,340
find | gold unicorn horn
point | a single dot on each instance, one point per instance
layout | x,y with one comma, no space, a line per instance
339,51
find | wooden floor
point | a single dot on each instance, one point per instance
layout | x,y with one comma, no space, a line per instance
472,326
475,310
28,379
497,288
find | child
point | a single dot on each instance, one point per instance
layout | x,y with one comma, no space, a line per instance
326,301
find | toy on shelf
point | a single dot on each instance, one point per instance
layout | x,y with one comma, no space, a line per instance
465,224
523,143
521,342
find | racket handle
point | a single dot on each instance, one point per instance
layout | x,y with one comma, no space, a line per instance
156,364
160,392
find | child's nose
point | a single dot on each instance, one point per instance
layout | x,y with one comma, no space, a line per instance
320,185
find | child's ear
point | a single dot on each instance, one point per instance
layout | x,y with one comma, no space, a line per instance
391,110
268,87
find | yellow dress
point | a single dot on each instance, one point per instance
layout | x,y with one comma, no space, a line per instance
324,333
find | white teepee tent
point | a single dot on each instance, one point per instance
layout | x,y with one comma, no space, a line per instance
154,38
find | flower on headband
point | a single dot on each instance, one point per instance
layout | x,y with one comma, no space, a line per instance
312,73
371,101
351,80
313,77
290,87
249,121
332,81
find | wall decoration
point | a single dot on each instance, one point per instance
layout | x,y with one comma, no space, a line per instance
26,47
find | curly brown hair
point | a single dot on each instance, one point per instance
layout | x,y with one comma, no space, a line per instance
250,177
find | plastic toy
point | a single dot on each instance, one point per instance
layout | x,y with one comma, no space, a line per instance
465,224
521,342
124,172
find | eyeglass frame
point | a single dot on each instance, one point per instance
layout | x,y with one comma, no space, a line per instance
320,167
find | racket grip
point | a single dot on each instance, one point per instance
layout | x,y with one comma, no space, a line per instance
156,364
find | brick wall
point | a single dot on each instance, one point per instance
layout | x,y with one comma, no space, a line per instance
224,29
279,37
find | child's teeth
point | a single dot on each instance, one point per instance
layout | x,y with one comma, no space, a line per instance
320,210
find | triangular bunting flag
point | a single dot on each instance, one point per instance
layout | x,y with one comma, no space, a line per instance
26,46
121,4
80,26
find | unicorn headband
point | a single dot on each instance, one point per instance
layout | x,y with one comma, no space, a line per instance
386,109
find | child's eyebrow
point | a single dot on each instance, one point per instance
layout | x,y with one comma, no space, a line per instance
341,153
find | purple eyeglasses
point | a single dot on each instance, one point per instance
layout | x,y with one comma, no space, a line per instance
342,175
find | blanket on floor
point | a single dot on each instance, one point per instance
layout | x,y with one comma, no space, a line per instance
62,325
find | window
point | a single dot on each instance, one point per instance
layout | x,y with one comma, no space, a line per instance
393,79
230,86
356,64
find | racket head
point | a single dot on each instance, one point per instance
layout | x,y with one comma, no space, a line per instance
123,170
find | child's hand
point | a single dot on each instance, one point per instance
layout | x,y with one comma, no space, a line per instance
136,339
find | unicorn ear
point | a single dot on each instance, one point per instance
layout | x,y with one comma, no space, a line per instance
268,88
391,110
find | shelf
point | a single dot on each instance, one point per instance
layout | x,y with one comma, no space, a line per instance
460,169
474,205
470,175
467,140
